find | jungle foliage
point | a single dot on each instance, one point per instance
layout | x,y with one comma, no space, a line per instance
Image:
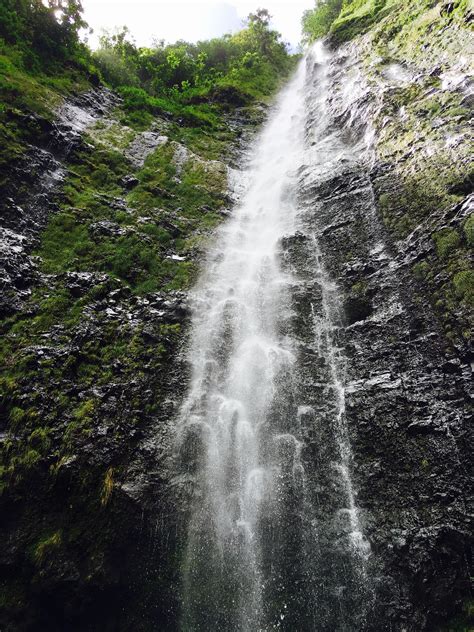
43,35
43,59
235,67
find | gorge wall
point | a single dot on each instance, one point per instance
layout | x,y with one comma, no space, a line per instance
96,496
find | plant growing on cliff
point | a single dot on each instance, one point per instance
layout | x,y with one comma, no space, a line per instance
107,487
46,546
317,22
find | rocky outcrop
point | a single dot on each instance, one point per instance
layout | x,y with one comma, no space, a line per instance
93,513
89,502
33,189
407,385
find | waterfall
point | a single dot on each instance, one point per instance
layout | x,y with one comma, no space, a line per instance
274,534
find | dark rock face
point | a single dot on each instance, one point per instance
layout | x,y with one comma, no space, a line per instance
92,540
406,388
91,552
99,548
31,194
405,407
111,560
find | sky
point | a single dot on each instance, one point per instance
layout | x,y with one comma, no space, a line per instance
190,20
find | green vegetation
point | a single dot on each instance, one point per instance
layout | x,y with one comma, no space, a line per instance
46,547
355,18
82,367
419,123
317,22
135,241
108,486
233,69
464,286
469,230
194,83
69,409
44,35
436,186
433,186
133,246
464,622
343,20
446,241
41,61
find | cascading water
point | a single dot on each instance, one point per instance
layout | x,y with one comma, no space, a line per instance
274,538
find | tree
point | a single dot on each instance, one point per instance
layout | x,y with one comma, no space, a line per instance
317,22
260,19
69,14
46,32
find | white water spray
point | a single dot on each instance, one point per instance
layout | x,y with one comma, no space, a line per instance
239,424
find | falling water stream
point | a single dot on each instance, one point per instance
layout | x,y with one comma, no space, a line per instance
263,551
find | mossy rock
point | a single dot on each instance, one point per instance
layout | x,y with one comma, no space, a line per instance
355,19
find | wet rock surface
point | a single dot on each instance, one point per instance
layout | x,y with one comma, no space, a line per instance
143,145
33,190
102,549
406,408
406,386
106,385
106,555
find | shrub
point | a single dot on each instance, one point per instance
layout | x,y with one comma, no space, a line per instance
446,241
464,285
115,69
317,22
469,230
46,546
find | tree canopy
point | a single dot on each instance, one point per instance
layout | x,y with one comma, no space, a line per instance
251,60
44,32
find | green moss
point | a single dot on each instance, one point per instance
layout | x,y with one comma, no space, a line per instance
355,18
446,241
463,622
81,423
469,230
112,134
39,439
16,463
17,415
433,186
23,93
421,269
138,257
404,96
210,145
464,285
85,410
47,547
359,288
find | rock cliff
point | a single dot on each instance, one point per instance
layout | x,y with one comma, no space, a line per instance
103,229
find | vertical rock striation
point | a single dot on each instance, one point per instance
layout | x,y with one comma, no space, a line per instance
341,503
